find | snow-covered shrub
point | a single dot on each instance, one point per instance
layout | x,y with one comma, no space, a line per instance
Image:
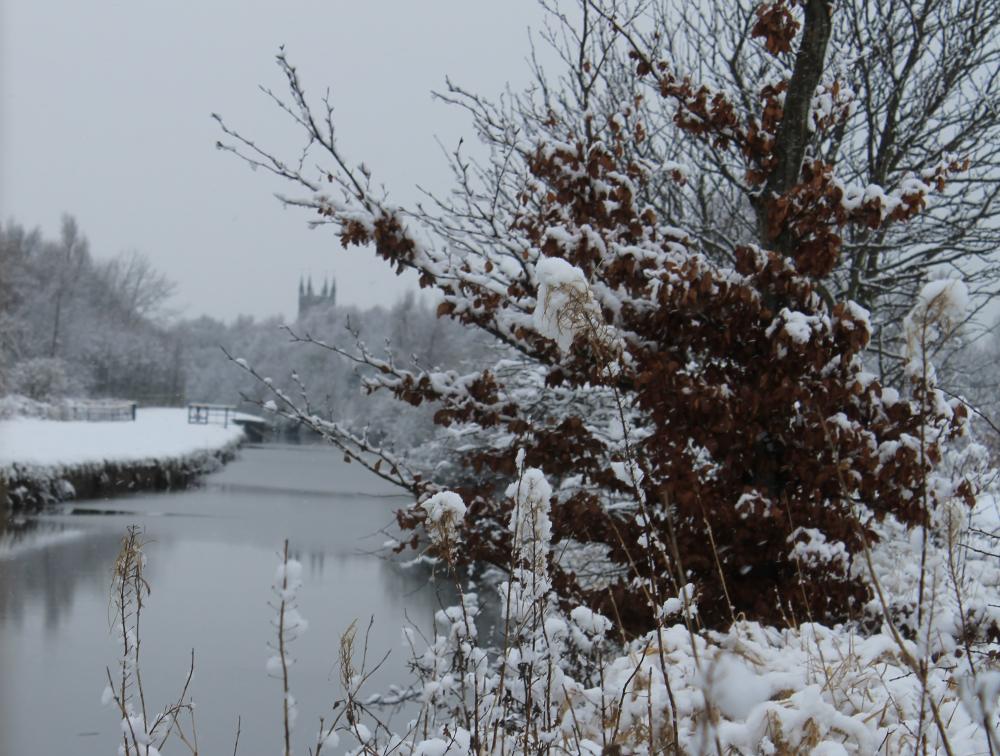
44,379
556,679
556,684
15,405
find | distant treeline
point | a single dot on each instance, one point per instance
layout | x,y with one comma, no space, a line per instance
72,325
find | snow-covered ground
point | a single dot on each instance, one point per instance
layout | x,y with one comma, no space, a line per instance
157,434
898,688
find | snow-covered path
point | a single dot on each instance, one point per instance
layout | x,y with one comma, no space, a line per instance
157,434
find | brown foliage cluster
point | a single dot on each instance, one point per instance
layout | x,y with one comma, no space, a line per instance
754,434
742,438
776,26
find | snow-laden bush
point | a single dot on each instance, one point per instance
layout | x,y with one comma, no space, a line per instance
553,679
44,379
556,683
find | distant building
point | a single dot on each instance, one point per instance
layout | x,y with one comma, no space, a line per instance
309,299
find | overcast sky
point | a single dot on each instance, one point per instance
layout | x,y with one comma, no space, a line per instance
105,115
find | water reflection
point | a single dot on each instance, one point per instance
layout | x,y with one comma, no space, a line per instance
212,555
46,564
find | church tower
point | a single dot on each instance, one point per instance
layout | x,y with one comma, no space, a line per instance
309,299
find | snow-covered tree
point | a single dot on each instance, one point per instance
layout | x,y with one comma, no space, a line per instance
702,404
909,83
96,321
43,379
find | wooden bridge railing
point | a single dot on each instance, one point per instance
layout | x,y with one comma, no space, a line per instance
203,414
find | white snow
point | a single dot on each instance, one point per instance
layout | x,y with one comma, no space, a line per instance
588,627
798,326
445,512
156,434
445,506
590,621
815,550
860,314
295,621
948,296
273,665
330,739
529,519
940,306
734,687
565,303
288,579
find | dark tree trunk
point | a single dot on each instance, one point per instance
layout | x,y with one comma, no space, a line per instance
793,133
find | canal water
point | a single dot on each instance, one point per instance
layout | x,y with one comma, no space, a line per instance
212,554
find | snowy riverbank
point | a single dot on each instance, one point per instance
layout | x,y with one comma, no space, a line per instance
42,461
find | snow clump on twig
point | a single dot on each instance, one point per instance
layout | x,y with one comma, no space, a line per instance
565,306
445,510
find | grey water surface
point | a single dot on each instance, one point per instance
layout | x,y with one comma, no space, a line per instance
212,553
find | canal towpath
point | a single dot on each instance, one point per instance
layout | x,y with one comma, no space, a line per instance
42,461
